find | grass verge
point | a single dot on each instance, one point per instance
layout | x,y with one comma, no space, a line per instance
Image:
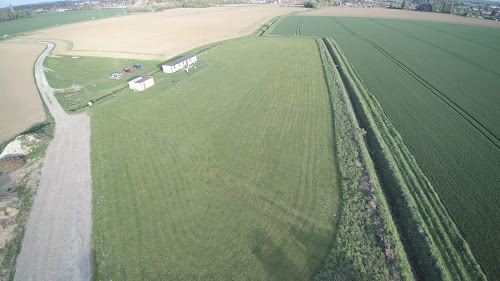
367,245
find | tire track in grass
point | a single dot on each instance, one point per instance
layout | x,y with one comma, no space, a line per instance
297,32
464,114
440,48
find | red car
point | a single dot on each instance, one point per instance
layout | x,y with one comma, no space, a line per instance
128,69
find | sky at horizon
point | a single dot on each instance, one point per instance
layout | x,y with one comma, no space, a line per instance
5,3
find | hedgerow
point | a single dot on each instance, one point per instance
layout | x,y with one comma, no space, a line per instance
367,246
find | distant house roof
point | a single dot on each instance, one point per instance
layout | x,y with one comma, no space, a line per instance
181,59
145,78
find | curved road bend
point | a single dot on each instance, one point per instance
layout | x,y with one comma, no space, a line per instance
56,244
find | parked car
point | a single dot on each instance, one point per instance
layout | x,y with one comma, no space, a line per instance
116,75
128,69
139,66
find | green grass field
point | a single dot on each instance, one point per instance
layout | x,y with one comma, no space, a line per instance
438,83
229,174
91,74
54,19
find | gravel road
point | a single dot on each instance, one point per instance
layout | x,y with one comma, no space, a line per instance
56,244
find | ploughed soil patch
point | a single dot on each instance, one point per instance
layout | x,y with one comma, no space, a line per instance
8,165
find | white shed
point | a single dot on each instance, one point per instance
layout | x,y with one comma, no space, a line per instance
141,83
178,64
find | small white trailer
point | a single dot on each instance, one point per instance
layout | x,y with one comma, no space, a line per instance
141,83
180,63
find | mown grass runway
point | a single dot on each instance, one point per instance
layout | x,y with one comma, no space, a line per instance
438,83
229,174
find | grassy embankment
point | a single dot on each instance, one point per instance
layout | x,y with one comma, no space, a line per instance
367,245
437,84
18,27
229,174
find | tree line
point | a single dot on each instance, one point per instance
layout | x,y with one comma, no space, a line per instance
7,14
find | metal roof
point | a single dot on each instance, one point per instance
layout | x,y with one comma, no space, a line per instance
145,78
179,60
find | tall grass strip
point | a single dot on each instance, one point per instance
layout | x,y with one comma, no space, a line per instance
367,245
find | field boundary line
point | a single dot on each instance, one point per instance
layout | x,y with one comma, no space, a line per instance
440,48
490,136
122,52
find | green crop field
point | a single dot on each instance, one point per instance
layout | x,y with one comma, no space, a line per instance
229,174
54,19
438,83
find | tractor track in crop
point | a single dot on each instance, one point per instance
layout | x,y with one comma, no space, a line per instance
440,48
490,136
454,35
299,23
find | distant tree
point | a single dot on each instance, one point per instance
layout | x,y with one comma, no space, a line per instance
403,5
425,7
311,4
314,4
442,6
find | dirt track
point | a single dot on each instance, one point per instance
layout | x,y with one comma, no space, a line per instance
56,244
400,14
20,104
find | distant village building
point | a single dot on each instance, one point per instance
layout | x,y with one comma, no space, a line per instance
178,64
141,83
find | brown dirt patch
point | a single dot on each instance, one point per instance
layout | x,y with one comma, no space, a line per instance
15,208
8,165
399,14
159,36
20,104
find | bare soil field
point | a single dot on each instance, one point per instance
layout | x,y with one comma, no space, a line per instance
161,35
399,14
20,104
